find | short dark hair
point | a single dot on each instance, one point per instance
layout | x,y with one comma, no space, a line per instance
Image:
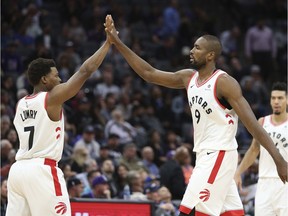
280,86
38,68
214,45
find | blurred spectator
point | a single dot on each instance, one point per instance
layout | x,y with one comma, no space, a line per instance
104,155
6,147
260,47
151,192
113,146
148,158
156,143
117,125
152,122
172,140
251,95
238,70
32,20
67,150
172,177
130,158
3,196
91,175
107,106
10,160
184,158
88,141
66,169
76,31
79,158
21,93
82,116
166,207
230,40
47,38
136,186
107,85
100,188
121,178
11,61
90,165
108,170
75,187
169,23
12,136
72,56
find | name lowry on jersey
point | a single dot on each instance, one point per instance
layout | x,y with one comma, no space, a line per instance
28,114
280,138
199,100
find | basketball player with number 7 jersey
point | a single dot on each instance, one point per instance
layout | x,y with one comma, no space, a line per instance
36,185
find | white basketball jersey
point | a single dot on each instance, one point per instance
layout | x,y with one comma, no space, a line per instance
279,135
39,136
215,126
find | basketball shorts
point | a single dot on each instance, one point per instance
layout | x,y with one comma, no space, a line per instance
271,197
37,187
211,189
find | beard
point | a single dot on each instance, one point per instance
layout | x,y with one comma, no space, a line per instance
277,113
197,65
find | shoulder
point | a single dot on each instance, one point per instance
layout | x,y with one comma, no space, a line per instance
186,75
227,87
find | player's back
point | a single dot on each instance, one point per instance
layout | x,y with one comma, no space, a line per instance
39,136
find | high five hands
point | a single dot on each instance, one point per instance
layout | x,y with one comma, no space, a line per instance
110,29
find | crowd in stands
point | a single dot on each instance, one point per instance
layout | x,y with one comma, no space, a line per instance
119,129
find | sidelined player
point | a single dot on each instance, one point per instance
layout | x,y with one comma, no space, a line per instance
272,195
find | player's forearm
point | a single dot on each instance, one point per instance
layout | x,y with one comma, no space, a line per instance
94,61
140,66
249,157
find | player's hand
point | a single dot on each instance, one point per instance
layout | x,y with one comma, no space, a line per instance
110,29
238,180
282,169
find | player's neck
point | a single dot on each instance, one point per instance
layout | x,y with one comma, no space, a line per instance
206,72
278,119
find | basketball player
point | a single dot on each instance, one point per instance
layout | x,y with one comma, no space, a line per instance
216,101
272,195
36,185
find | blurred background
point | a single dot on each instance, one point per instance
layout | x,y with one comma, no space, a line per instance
134,125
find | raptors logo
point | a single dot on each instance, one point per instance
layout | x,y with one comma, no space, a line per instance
204,195
61,208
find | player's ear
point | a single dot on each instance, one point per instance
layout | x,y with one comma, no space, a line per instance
211,55
43,79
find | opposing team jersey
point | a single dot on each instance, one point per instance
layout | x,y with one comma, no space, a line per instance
215,126
39,136
279,135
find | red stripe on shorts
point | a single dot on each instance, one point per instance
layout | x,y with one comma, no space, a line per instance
216,167
233,213
200,214
52,165
184,209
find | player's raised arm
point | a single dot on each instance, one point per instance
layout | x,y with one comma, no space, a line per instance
63,92
229,89
143,68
